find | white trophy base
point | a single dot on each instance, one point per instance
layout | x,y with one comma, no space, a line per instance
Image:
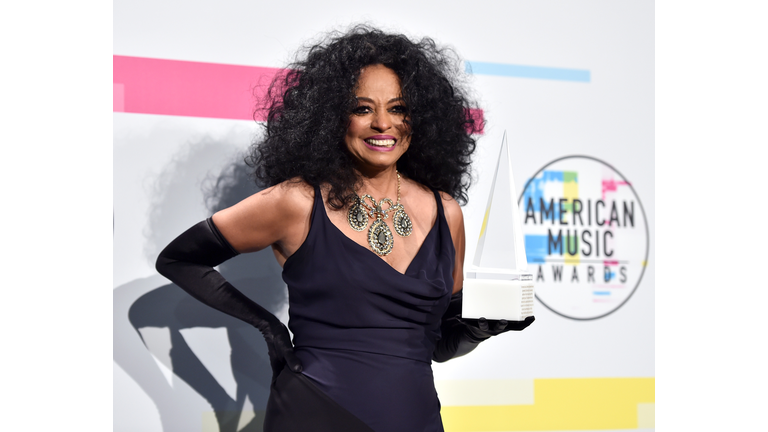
496,294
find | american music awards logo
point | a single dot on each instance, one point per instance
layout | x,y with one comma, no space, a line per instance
586,237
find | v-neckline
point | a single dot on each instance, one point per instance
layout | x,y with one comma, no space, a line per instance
378,258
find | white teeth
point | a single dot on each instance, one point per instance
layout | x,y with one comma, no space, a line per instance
381,143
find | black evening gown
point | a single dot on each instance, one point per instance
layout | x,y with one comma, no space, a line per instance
364,332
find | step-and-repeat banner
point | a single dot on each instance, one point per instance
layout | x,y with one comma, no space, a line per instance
572,85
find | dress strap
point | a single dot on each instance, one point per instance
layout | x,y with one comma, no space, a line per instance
442,223
315,225
318,211
439,199
318,199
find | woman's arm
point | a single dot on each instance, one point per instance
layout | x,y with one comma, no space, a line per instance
454,340
253,224
455,219
459,337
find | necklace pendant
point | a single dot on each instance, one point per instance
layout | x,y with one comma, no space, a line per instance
357,216
380,238
402,223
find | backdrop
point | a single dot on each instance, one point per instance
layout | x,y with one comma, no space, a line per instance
571,83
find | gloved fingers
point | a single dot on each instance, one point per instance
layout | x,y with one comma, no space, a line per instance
293,362
275,360
492,327
482,324
484,327
281,350
277,366
520,325
500,326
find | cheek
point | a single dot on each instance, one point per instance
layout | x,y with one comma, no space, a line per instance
407,143
354,128
353,134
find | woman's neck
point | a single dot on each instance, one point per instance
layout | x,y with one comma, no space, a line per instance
380,184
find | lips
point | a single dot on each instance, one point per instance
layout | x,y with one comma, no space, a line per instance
381,141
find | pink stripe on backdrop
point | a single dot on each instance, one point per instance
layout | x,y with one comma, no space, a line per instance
194,89
118,98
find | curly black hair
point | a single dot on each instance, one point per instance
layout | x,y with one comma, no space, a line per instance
309,104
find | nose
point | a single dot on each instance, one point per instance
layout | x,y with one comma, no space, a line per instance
381,121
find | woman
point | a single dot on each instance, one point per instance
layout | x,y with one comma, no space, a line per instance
367,152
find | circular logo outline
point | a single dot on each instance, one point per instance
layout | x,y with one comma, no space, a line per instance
645,223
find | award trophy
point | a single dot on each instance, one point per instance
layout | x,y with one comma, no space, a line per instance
505,289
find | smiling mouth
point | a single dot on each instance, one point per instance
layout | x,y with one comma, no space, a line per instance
381,142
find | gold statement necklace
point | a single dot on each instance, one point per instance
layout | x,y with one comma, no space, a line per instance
379,235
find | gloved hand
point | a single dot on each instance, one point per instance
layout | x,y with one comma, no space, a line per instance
482,329
460,336
280,349
188,262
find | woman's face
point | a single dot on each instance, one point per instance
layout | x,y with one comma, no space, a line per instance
377,134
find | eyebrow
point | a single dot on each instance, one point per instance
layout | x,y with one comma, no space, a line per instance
360,98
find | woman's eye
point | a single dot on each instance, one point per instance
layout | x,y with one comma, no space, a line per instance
399,109
361,110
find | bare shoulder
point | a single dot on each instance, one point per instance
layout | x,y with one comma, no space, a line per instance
268,217
292,196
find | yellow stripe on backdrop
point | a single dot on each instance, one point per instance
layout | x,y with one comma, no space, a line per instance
570,193
565,404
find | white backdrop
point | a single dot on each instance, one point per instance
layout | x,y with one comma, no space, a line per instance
168,171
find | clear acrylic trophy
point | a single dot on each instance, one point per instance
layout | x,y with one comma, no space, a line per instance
500,286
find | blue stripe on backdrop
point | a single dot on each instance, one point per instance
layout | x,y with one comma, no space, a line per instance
520,71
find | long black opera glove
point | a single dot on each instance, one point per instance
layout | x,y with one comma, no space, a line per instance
188,262
460,336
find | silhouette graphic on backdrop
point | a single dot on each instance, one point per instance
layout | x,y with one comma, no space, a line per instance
166,306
